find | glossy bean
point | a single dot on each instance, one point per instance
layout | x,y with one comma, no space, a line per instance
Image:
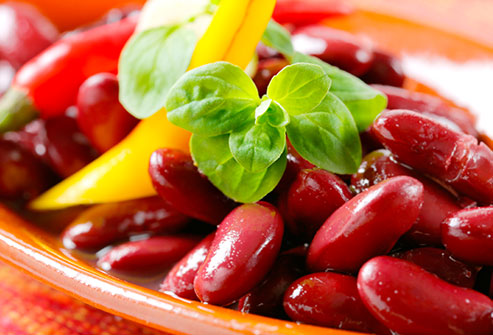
429,147
311,199
410,300
330,300
179,280
244,248
267,298
25,32
179,183
437,205
441,263
100,116
468,235
385,69
335,47
58,142
431,106
104,224
267,69
147,256
22,176
366,226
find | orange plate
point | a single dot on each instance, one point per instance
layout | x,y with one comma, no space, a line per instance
40,254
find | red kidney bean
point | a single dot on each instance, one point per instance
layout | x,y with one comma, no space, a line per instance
335,47
264,52
104,224
410,300
429,105
21,174
385,70
151,255
58,142
267,69
244,248
330,300
7,73
429,147
267,298
101,117
437,205
179,183
301,12
311,199
468,235
441,263
366,226
179,280
25,33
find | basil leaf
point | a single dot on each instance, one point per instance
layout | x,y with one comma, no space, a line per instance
213,99
258,146
214,159
299,88
150,64
272,113
278,38
327,137
363,101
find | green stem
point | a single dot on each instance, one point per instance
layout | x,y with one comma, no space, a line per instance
16,110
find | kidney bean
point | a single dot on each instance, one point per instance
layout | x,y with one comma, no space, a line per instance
179,183
437,205
104,224
441,263
58,142
25,33
244,248
267,298
179,280
101,117
410,300
330,300
468,235
7,73
385,70
21,174
151,255
366,226
301,12
429,147
335,47
264,52
311,199
267,69
429,105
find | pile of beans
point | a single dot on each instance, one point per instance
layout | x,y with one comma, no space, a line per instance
403,246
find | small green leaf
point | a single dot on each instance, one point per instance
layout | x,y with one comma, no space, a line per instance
327,137
150,64
258,146
278,38
213,99
364,102
214,159
299,88
272,113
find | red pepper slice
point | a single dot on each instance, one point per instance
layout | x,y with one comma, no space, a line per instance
48,84
300,12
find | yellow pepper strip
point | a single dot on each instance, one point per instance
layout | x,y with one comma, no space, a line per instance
121,173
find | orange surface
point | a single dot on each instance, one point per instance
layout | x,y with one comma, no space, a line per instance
67,14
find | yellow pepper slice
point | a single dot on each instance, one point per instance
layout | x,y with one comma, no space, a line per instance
121,173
